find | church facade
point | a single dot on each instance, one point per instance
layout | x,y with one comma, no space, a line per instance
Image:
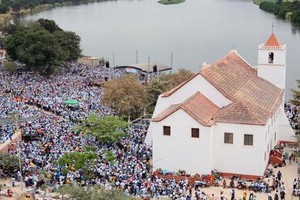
227,117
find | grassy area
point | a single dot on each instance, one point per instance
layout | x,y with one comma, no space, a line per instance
168,2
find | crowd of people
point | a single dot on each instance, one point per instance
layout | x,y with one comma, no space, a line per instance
293,114
41,101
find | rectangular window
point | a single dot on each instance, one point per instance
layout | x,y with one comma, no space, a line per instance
195,132
248,139
167,130
228,138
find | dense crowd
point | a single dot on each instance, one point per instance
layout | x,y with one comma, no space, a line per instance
32,96
41,99
293,114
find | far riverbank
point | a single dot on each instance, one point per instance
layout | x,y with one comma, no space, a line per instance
6,17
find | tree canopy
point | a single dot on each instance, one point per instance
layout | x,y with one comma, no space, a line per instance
92,193
296,95
8,164
129,97
158,86
125,95
77,160
106,129
42,46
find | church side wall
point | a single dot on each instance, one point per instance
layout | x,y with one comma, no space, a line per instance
286,133
180,150
238,158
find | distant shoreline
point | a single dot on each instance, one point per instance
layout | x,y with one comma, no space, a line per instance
6,17
170,2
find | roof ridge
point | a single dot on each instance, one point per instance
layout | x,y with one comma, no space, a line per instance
228,54
250,111
174,89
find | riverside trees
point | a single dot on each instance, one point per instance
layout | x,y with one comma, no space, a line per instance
42,46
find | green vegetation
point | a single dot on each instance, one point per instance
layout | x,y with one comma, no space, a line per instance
296,95
77,160
125,95
165,83
42,46
92,193
8,164
11,8
284,10
168,2
106,129
10,66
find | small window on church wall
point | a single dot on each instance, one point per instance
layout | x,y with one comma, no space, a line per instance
167,130
195,132
248,140
228,138
271,57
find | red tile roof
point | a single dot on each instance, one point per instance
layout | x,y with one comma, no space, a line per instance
197,106
237,113
239,82
254,99
272,41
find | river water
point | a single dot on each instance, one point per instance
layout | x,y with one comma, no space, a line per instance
194,31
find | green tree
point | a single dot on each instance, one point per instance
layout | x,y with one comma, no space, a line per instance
69,42
49,25
125,95
106,129
92,193
172,80
158,86
77,160
8,163
42,50
153,89
296,95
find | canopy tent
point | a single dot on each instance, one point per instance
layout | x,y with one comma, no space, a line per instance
71,102
147,67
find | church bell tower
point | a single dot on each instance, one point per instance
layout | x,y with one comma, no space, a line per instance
272,61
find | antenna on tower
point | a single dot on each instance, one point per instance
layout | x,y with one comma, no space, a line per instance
272,27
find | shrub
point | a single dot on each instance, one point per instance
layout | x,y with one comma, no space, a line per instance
10,66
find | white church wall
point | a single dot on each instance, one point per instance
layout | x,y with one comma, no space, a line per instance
199,83
239,158
286,133
275,75
180,150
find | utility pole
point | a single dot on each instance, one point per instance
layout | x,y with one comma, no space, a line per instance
171,63
148,69
13,118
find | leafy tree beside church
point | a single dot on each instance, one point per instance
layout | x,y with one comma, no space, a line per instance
42,46
296,95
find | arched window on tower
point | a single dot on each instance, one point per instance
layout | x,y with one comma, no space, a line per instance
271,57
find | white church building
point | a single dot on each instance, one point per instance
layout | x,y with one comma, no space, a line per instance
226,117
